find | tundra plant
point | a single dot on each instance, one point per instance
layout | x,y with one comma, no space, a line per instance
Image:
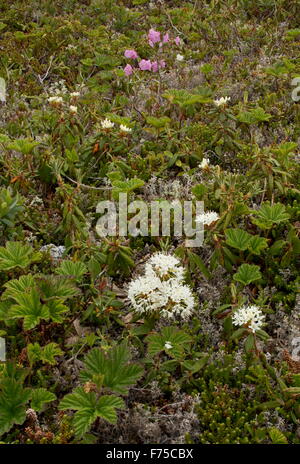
161,290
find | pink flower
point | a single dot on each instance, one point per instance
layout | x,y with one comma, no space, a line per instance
128,70
166,38
131,54
145,65
154,66
177,40
162,64
154,37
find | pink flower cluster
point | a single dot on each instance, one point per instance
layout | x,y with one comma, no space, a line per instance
155,37
148,65
144,65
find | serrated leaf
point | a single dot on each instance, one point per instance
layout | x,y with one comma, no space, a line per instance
53,287
88,408
253,116
247,273
268,215
118,374
178,340
30,308
15,254
13,399
238,238
56,311
79,400
106,407
46,354
40,397
16,286
72,269
257,244
277,437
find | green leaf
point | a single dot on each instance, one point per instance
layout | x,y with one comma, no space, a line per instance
178,339
10,205
72,269
13,400
237,334
158,123
253,116
196,366
40,397
56,311
30,308
197,262
88,408
16,286
277,437
106,407
249,343
79,400
247,273
184,99
118,374
257,244
46,354
238,238
277,247
15,254
268,215
120,186
53,287
24,146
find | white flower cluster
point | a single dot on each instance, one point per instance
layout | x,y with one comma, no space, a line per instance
221,101
251,316
124,128
207,218
179,57
55,100
57,89
108,124
204,163
161,289
73,109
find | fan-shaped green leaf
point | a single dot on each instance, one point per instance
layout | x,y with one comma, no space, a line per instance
238,238
277,437
268,215
257,244
247,273
117,374
13,399
51,287
15,254
171,340
30,308
39,397
88,408
16,286
72,269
